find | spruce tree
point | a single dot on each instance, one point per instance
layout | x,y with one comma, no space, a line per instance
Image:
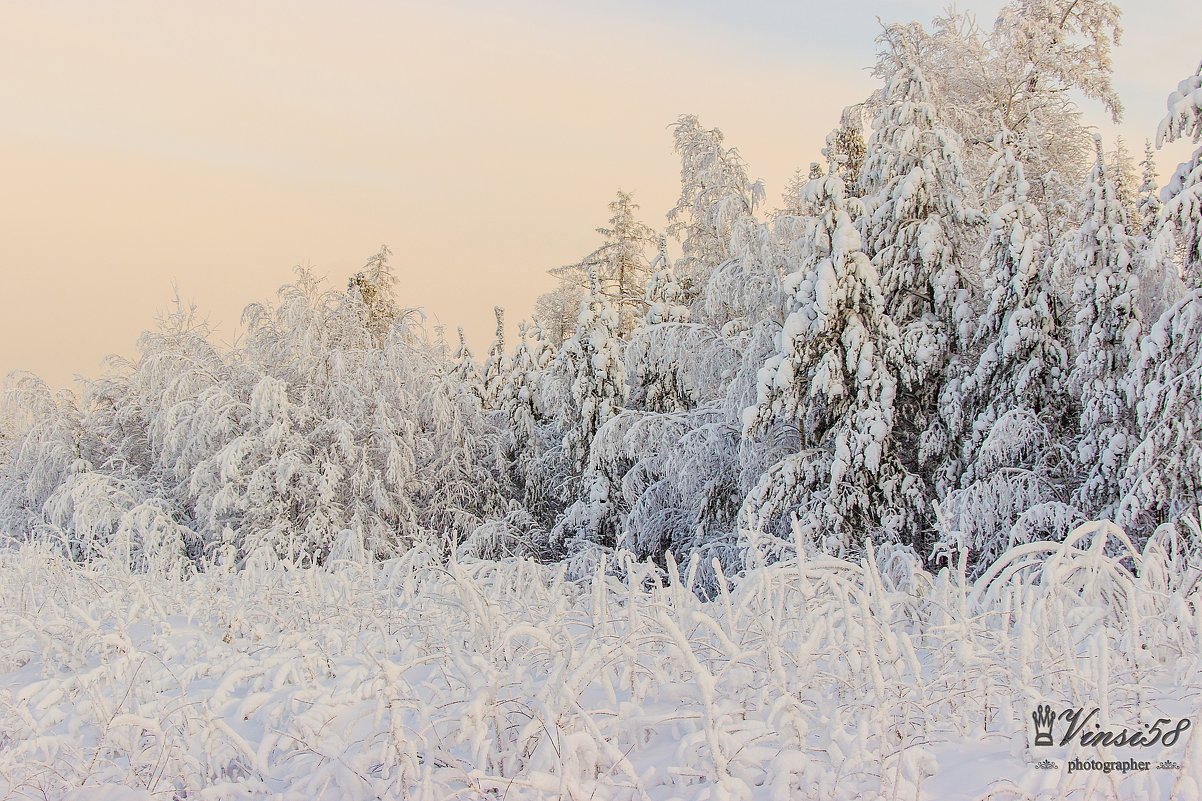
920,226
1163,479
994,446
1107,333
464,369
492,382
596,378
1022,361
831,378
376,286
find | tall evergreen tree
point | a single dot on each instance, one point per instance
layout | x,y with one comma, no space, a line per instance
1159,277
993,447
1022,360
1107,334
464,369
1121,170
619,264
1164,475
922,216
596,378
1183,195
376,285
519,397
831,377
1149,195
492,382
845,148
919,203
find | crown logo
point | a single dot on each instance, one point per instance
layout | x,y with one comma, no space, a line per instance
1044,718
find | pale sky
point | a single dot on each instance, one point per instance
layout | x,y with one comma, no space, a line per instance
214,146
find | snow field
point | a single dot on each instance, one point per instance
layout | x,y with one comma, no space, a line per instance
811,679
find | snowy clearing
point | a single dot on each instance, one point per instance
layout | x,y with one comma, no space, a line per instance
411,679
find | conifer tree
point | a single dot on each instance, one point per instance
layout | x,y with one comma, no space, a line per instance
596,378
519,397
1149,195
464,369
376,286
920,225
994,444
1108,329
1183,195
845,148
1121,170
621,262
919,203
1163,479
664,295
1022,362
492,382
1159,278
830,376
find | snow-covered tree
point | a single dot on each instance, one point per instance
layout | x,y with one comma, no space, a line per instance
1015,498
919,202
1107,334
492,381
596,377
1149,193
310,431
538,406
620,264
919,227
376,286
1182,197
592,393
660,385
555,312
334,435
791,195
664,295
519,396
1058,45
1159,277
464,369
529,456
1164,474
1022,360
832,379
1121,169
845,148
1037,57
715,194
1017,383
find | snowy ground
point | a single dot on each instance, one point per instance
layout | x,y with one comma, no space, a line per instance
822,680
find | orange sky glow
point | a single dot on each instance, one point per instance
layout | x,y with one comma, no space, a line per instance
212,147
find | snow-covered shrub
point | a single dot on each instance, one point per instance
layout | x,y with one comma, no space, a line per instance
311,426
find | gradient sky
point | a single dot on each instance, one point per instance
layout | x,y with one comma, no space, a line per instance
212,147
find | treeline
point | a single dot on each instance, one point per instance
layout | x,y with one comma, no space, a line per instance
969,327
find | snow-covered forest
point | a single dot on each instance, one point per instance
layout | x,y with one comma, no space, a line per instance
786,499
969,326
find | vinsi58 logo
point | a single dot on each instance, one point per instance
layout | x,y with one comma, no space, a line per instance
1088,731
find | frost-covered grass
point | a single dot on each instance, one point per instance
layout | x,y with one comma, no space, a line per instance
819,679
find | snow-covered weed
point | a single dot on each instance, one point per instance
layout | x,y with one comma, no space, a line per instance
413,678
